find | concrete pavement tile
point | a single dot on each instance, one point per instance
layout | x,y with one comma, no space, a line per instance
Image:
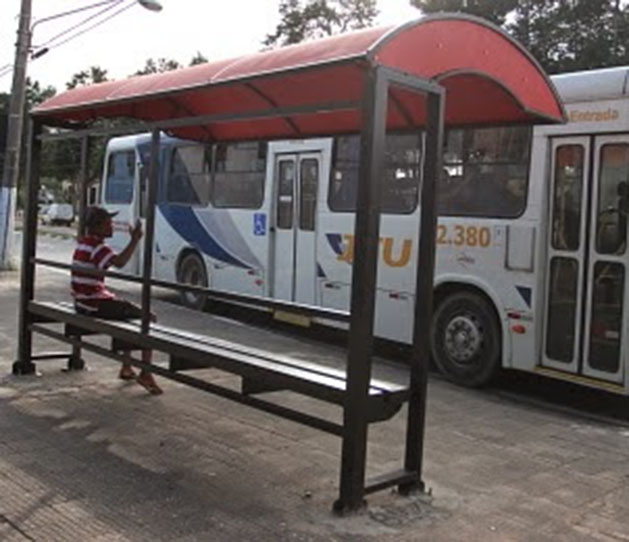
614,505
602,528
9,534
579,490
554,451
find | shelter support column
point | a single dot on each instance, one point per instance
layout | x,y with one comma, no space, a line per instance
76,363
424,294
148,200
364,274
24,364
83,183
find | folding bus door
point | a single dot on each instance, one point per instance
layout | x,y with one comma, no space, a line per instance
296,193
567,247
586,320
606,300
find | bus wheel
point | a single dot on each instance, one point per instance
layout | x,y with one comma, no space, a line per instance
465,339
192,271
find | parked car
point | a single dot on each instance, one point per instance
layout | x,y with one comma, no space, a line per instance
58,214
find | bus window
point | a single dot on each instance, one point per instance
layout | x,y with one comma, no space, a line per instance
401,173
485,172
611,224
285,194
308,179
239,175
607,309
568,189
562,309
120,175
344,175
189,176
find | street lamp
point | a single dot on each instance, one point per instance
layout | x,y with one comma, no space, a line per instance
10,172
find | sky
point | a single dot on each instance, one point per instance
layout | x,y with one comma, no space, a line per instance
122,44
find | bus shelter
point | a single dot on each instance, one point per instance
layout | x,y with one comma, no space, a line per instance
444,70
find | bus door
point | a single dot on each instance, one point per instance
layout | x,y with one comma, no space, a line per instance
296,188
586,273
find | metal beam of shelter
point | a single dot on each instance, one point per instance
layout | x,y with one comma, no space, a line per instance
367,82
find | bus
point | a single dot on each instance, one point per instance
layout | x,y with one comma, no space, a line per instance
531,241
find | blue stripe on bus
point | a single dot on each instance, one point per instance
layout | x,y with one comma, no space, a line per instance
186,223
336,242
526,294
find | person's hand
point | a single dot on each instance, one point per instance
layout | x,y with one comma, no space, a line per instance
136,231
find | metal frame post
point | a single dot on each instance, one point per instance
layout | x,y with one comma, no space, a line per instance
424,294
149,234
83,183
75,362
24,364
364,274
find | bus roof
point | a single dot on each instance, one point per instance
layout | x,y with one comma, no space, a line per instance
489,78
583,86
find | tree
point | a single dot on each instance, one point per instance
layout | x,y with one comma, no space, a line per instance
159,66
495,11
91,76
573,35
307,19
36,94
564,35
198,59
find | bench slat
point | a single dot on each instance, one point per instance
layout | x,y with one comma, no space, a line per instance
304,377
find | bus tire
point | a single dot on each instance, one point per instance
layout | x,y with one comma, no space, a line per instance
465,339
191,270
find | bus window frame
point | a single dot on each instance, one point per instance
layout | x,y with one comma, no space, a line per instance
263,172
527,177
170,154
383,211
127,151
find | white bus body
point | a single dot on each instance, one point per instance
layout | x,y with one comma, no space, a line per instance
526,277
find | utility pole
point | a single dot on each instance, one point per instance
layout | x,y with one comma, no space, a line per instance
10,173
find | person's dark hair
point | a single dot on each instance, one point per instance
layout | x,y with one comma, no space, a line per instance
95,216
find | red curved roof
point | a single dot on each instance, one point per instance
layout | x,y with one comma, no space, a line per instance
489,79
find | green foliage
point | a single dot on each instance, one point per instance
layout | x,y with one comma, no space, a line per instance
564,35
302,20
198,59
35,94
493,10
91,76
573,35
158,66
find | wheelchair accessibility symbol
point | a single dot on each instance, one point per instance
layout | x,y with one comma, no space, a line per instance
259,224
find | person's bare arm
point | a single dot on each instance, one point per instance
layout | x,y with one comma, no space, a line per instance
121,259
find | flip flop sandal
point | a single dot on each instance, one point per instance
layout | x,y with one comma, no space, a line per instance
127,374
149,385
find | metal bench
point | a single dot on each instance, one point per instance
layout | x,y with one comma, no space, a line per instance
261,371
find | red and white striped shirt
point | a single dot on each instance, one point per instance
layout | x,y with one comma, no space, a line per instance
91,253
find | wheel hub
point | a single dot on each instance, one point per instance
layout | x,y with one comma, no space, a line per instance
463,338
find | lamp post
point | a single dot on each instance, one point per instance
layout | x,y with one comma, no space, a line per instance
10,172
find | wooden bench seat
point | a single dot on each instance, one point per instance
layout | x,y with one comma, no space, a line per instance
261,371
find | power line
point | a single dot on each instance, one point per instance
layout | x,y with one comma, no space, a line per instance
95,25
81,23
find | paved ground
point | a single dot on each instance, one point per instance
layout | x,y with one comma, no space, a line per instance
86,457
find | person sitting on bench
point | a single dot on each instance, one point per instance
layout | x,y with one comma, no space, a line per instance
92,298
